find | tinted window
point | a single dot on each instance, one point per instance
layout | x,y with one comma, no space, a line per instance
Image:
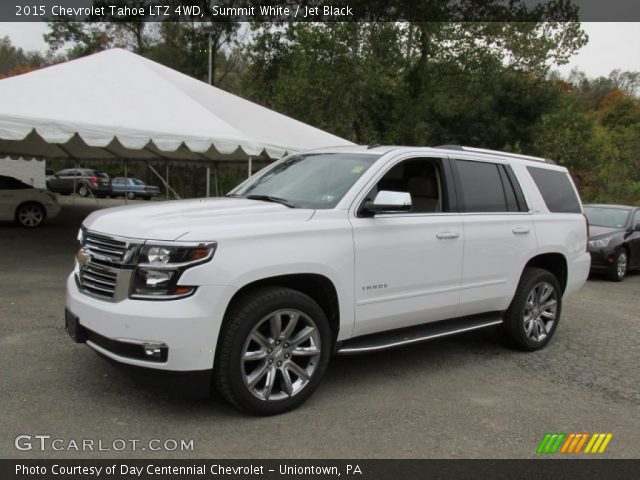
556,190
481,187
636,218
10,183
117,181
421,178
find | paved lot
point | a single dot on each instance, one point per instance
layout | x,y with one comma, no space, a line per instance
458,397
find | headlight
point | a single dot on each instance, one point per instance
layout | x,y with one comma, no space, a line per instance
80,237
160,267
603,242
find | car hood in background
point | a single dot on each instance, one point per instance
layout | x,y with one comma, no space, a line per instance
596,232
203,219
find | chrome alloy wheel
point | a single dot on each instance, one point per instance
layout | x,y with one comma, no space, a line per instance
280,355
540,311
30,215
621,266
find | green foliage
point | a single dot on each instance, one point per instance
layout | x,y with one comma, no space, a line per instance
14,60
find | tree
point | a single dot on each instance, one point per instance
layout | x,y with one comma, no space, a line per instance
14,60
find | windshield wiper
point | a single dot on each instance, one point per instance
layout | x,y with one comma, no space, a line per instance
269,198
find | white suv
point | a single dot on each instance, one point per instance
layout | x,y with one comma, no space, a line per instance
336,251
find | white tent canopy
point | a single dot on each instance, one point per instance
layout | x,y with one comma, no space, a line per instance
119,105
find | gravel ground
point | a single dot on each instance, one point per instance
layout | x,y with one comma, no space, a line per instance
461,397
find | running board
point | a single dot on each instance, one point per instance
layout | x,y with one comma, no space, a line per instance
419,333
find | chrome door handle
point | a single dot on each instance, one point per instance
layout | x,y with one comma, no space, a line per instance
520,230
442,235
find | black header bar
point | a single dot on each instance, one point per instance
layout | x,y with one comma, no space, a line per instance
320,10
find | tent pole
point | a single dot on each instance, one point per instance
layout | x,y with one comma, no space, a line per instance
215,172
210,77
126,181
164,182
249,168
208,192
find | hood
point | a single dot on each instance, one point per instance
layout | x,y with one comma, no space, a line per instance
197,219
596,232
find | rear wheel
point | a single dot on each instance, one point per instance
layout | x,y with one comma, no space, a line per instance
131,195
532,317
620,266
273,351
83,191
30,214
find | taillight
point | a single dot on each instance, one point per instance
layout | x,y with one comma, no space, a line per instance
94,180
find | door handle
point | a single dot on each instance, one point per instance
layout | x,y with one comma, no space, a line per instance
443,235
520,230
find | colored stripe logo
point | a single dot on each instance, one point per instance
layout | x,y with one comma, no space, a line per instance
573,443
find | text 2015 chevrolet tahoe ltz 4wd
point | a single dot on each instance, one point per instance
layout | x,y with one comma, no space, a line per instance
336,251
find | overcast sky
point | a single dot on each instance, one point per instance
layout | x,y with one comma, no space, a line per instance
611,45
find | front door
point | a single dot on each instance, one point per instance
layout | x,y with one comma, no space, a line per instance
408,265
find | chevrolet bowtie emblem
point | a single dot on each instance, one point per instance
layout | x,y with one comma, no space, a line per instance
83,257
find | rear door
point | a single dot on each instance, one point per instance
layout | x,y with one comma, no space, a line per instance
499,235
408,265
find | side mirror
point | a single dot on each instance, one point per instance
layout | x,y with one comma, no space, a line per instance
389,202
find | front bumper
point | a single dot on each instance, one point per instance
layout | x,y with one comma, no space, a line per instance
601,259
188,327
53,209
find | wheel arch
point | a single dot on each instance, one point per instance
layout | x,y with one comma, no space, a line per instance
316,286
30,202
553,262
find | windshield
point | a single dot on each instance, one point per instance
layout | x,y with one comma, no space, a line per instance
317,180
607,217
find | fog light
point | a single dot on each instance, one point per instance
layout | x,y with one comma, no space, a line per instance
153,350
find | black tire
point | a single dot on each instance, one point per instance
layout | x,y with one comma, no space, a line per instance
516,319
83,190
131,195
618,272
30,214
245,314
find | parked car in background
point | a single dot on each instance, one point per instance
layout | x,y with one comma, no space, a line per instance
614,239
26,205
82,181
132,188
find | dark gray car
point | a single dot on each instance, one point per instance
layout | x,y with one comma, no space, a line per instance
82,181
614,239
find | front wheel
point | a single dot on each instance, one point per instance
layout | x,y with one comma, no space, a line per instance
532,318
273,350
30,215
620,265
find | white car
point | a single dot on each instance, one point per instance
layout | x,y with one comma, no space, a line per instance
336,251
24,204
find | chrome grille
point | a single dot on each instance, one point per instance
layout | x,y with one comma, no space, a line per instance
107,265
98,280
103,248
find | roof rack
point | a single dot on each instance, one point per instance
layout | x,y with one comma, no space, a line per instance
496,152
